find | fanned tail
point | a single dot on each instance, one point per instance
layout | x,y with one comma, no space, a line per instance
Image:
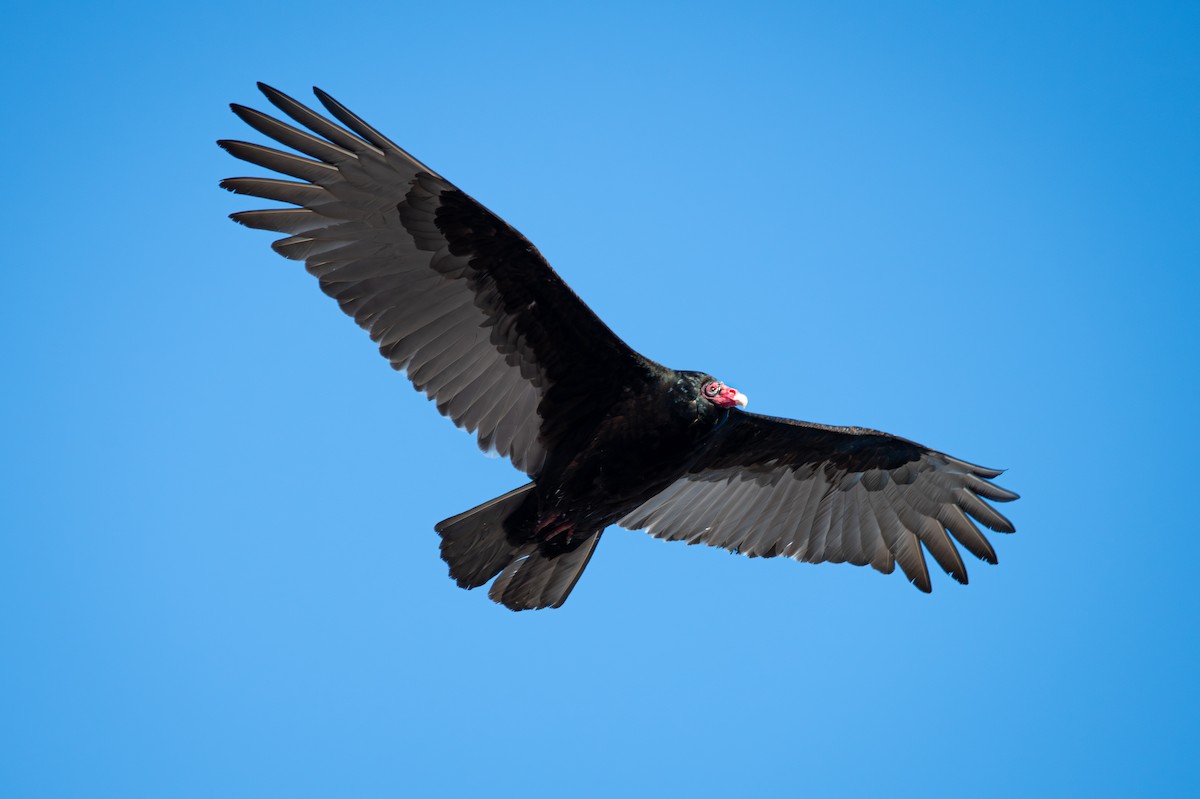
533,575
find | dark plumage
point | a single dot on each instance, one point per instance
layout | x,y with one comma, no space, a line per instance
484,327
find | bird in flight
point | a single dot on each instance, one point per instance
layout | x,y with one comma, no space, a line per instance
467,307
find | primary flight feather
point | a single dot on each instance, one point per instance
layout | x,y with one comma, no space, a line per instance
469,309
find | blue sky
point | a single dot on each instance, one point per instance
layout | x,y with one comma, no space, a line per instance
978,228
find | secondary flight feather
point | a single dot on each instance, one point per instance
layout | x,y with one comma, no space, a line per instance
467,307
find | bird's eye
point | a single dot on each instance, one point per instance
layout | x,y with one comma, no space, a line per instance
711,389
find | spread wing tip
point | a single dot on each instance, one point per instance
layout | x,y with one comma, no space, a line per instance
354,121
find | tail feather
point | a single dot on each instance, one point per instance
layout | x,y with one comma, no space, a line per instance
533,575
537,579
474,542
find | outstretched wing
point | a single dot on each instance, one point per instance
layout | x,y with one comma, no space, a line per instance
453,296
765,487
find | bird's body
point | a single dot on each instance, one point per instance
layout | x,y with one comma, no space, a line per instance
647,440
469,309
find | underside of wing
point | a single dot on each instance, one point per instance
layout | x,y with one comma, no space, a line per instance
773,487
452,295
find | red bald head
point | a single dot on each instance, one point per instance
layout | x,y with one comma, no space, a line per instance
722,395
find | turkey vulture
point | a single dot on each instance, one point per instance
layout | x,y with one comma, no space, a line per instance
469,309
